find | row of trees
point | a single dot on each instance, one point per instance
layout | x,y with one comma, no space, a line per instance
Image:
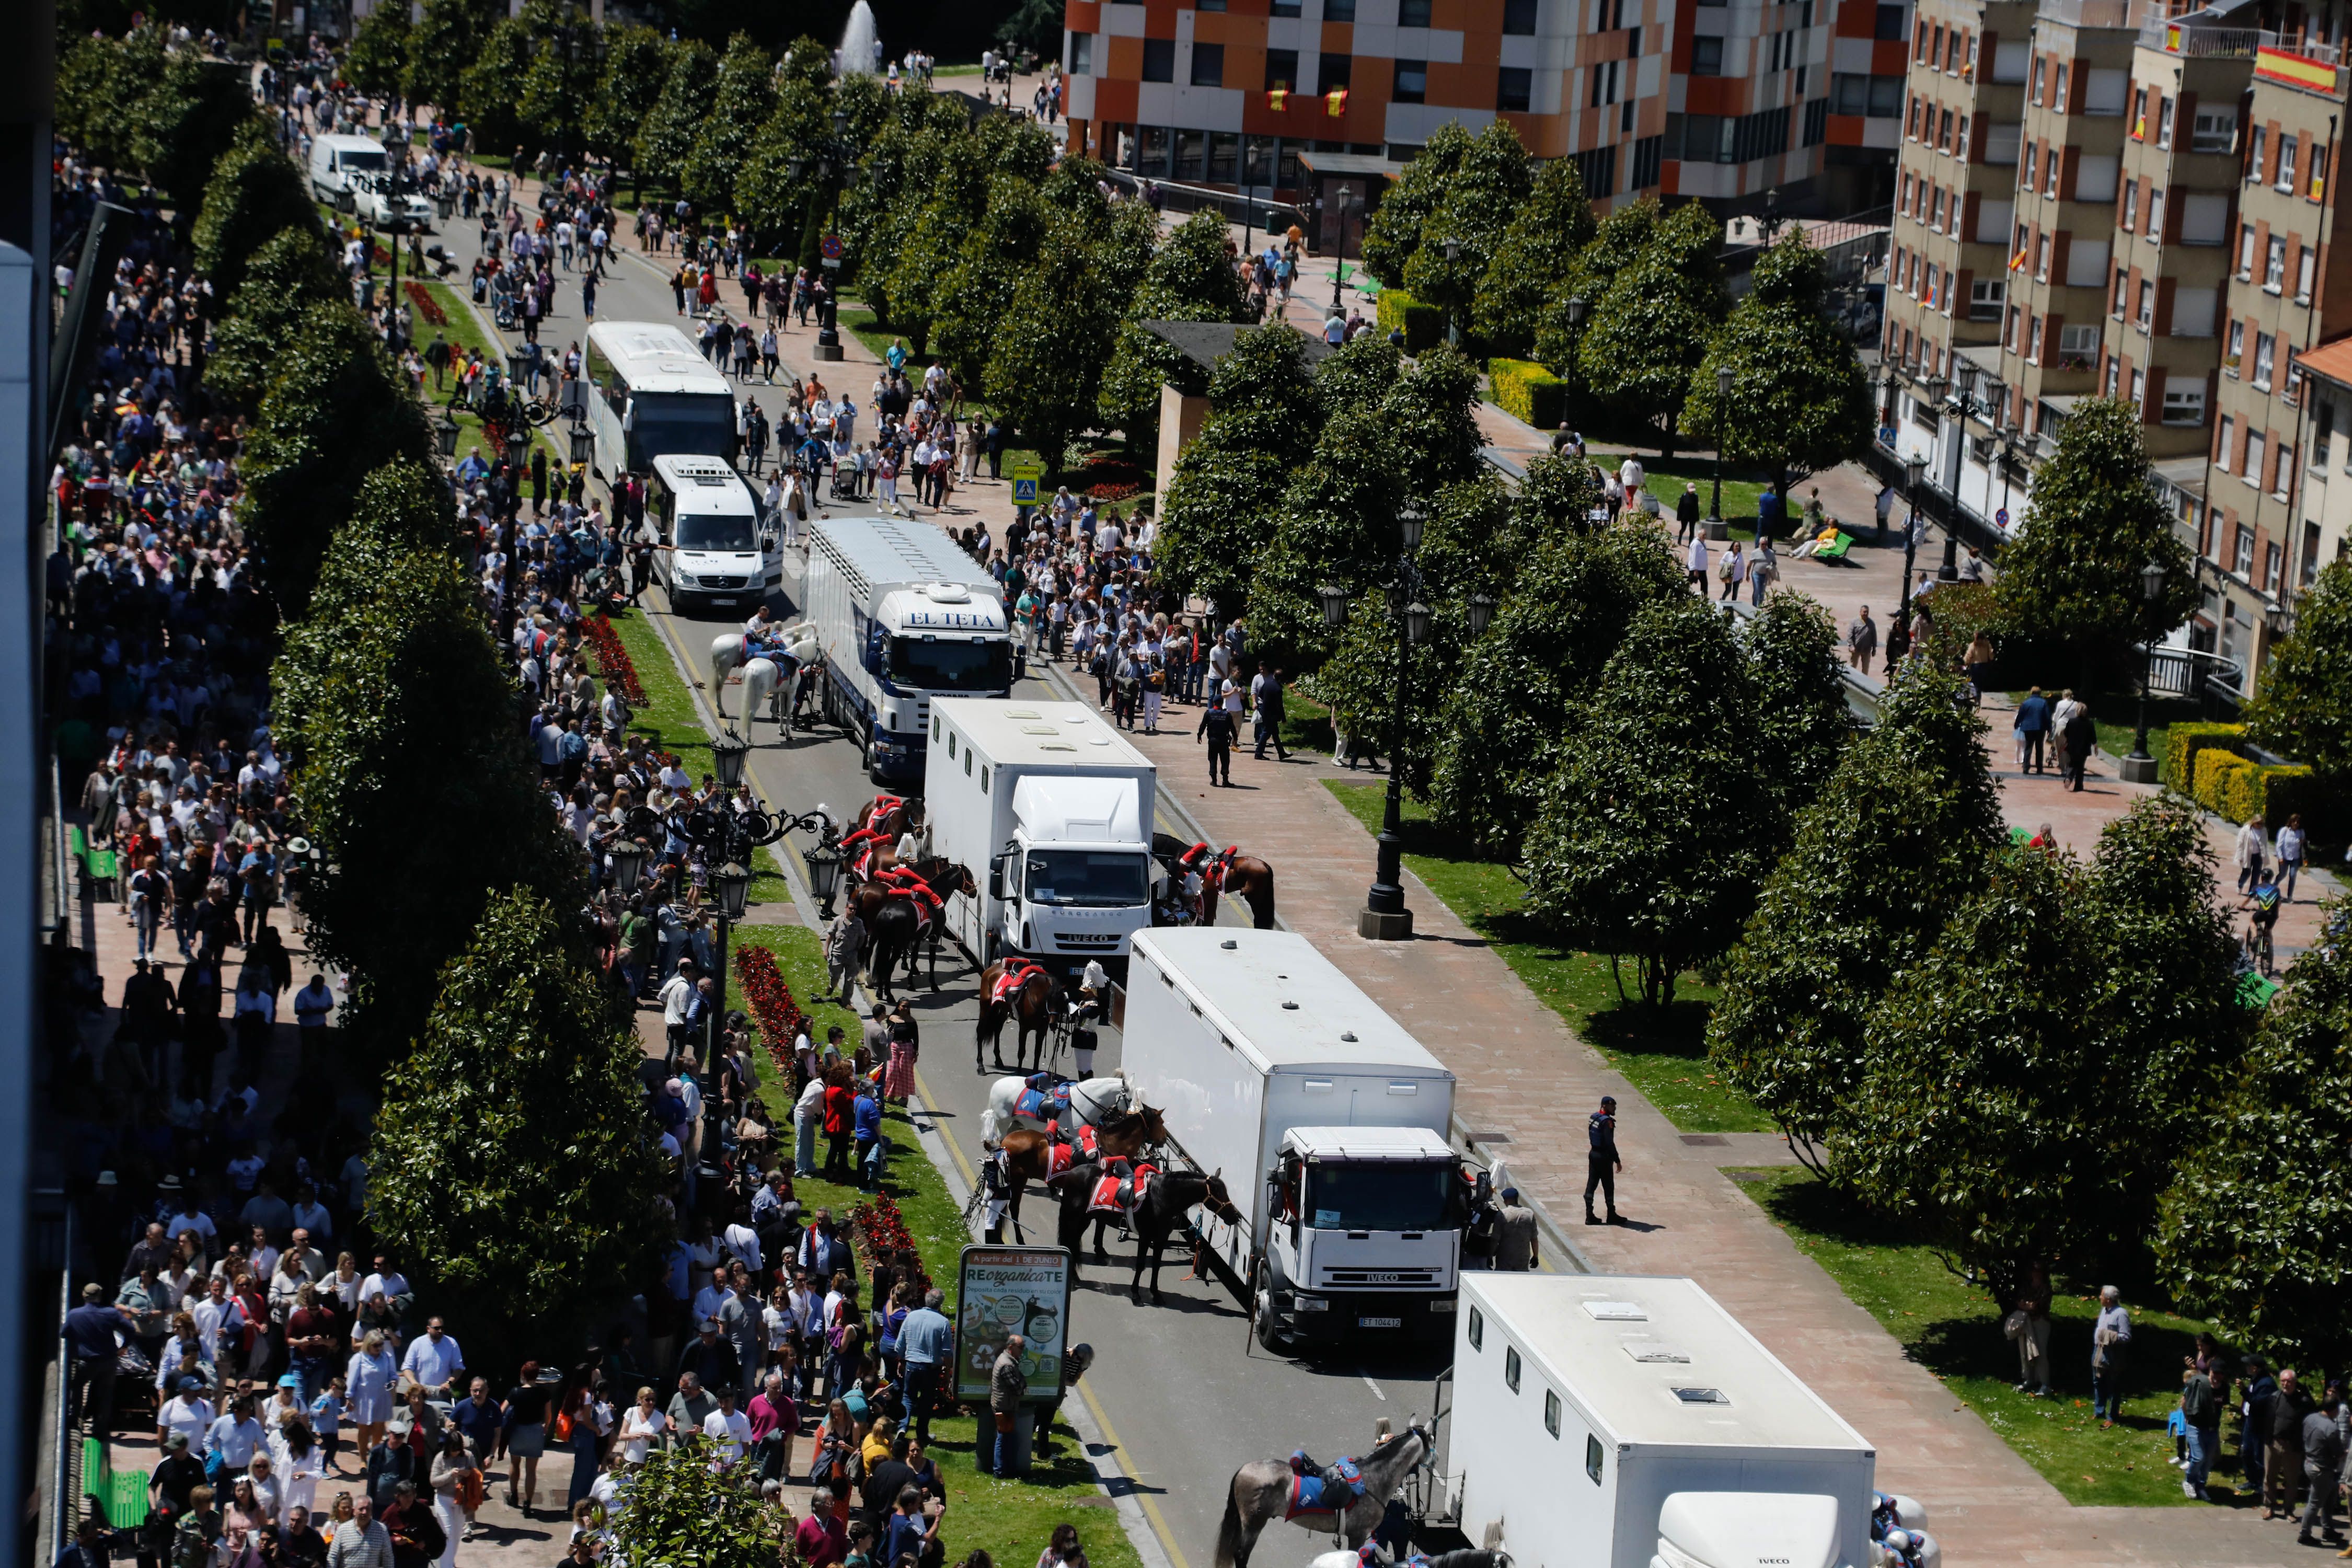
510,1165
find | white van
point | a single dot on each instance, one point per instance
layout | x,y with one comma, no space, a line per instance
346,174
718,552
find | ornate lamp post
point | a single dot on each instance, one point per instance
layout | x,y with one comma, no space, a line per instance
1912,467
2139,767
1715,527
1384,917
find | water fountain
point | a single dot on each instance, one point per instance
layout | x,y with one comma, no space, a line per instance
856,54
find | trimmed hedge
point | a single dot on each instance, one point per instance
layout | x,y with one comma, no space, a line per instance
2215,779
1424,325
2297,791
2187,739
1526,391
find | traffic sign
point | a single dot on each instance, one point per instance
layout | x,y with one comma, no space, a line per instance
1025,493
1026,471
830,247
2001,517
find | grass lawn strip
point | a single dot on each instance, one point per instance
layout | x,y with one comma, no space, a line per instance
669,720
1663,1053
1953,1329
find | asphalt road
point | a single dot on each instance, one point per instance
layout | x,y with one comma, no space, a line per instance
1187,1392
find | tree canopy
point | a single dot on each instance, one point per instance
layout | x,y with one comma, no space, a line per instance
2302,698
1223,505
292,273
1486,192
256,192
1539,250
1395,231
1191,278
1649,331
740,104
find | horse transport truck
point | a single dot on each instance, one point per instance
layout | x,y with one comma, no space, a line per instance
1050,809
904,616
1328,1122
1617,1421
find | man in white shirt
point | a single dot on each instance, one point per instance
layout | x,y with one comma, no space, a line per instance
729,1428
712,1298
210,1313
677,997
434,1360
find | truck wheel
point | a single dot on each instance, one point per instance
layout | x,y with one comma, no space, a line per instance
1269,1334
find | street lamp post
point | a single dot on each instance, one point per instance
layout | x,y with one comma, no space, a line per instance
833,152
1453,327
2139,767
1716,528
1912,467
1384,917
1341,199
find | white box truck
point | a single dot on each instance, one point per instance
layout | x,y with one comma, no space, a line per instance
904,616
1628,1421
1326,1119
1050,809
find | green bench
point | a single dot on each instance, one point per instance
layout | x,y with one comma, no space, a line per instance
122,1493
2255,992
99,866
1835,550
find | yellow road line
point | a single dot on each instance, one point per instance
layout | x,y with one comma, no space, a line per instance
1118,1451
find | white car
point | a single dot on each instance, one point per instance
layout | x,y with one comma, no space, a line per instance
349,172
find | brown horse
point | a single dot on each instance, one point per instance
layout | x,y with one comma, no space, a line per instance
1035,1007
1028,1154
907,813
1246,877
898,924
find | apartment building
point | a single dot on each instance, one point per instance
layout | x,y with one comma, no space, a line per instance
2327,512
1673,98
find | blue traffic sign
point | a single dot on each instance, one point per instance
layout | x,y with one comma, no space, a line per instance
1025,493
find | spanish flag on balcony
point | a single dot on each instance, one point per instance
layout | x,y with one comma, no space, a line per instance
2017,262
1278,98
1335,102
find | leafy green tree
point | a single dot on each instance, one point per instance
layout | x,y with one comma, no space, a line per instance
1397,226
2071,582
256,192
1539,250
899,167
336,410
1649,330
293,272
1801,712
1486,192
1898,836
139,111
98,85
677,1508
491,88
1652,838
631,86
559,91
1619,240
510,1159
1220,510
1045,373
668,136
739,107
377,61
2024,1101
1798,402
2256,1227
1000,251
780,186
2302,699
1190,280
1035,26
441,44
400,726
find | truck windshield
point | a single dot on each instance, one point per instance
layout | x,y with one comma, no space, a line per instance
1380,1196
363,159
680,423
717,531
1100,879
945,666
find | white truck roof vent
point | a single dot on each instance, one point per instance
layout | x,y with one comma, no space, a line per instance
1616,1312
1702,1396
1039,730
1650,1352
948,594
1023,714
1054,746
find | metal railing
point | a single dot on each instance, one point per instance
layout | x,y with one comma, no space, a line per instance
2201,43
2091,13
64,1500
2193,673
1262,211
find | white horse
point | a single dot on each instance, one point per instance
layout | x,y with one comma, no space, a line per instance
761,676
1091,1102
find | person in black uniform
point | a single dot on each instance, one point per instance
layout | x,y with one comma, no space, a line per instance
1601,1161
1217,725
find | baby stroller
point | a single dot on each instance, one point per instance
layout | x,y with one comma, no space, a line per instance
844,481
502,304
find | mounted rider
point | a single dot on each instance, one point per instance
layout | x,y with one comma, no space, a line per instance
1322,1488
857,847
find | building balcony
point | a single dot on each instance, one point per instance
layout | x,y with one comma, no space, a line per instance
2095,13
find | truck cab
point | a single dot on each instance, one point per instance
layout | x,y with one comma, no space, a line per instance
1363,1238
1076,875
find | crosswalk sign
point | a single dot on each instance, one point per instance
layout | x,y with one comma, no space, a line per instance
1025,493
1027,473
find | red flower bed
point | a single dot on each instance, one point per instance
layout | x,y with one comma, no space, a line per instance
425,305
882,1235
780,1017
613,660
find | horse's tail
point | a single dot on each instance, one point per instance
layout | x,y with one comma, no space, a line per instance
1261,900
989,1133
1230,1554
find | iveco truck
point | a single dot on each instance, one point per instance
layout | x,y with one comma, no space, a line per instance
905,617
1050,809
1327,1121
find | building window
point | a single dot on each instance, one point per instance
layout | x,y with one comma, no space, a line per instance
2123,294
2274,266
1160,60
2310,568
2039,62
2271,559
2050,174
1332,72
2245,253
2252,472
2009,332
2114,376
2184,404
1936,210
1817,130
1598,171
1338,10
1281,70
2147,304
2139,393
2221,444
1412,82
1082,54
2306,268
1985,298
1511,1369
1519,17
2242,552
1224,156
1413,13
2213,130
2131,206
1514,86
2032,338
2255,159
1208,65
2237,355
2265,354
2139,115
1552,1412
2077,345
1286,8
2164,124
2288,147
2154,213
2322,434
1649,156
1706,56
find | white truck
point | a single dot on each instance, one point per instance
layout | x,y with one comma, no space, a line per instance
1050,809
1628,1421
1326,1119
905,617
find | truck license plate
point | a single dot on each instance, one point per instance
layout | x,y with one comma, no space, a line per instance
1380,1322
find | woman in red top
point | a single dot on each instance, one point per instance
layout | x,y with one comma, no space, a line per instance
840,1118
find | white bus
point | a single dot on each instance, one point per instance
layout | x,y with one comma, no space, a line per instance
718,552
652,394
